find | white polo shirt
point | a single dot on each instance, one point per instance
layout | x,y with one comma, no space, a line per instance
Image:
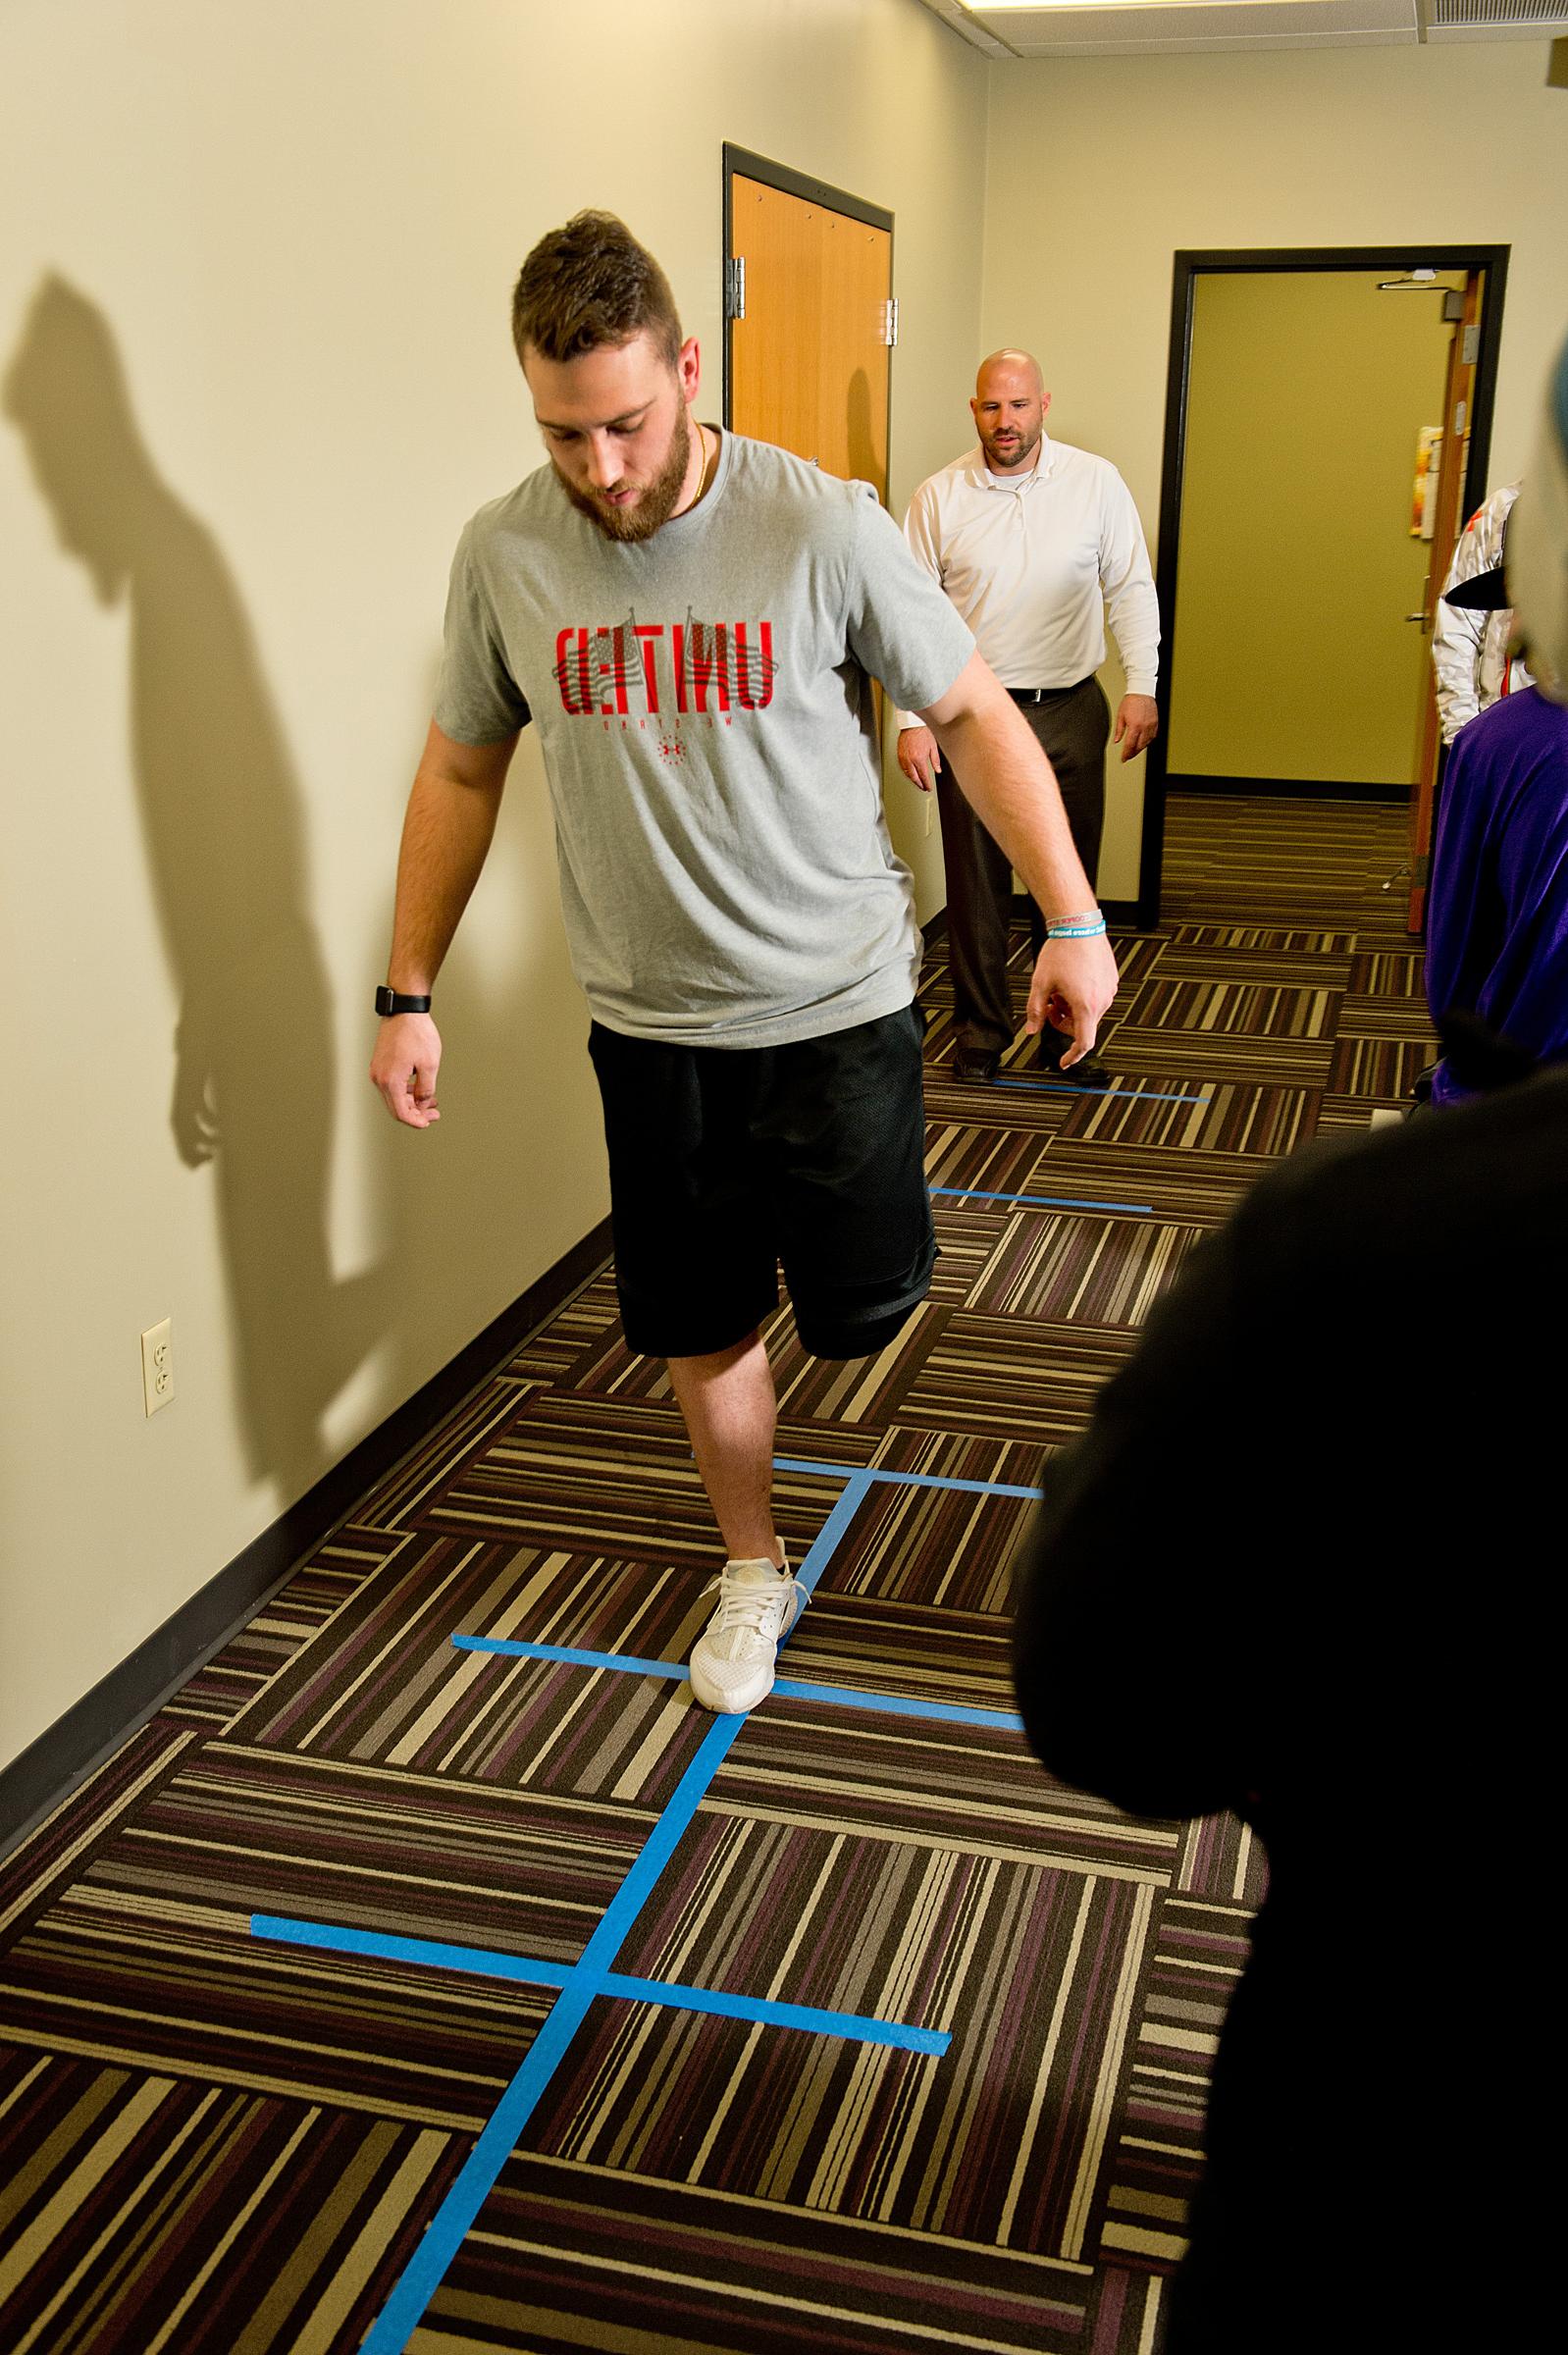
1034,561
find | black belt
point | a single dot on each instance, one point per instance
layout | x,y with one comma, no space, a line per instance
1038,695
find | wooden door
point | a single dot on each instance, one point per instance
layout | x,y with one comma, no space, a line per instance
809,360
1458,409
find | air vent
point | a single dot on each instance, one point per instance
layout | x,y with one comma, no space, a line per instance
1455,14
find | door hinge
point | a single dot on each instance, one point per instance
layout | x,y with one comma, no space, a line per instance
734,286
890,321
1421,872
1461,410
1470,346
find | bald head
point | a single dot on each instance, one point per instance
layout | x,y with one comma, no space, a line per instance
1009,364
1009,408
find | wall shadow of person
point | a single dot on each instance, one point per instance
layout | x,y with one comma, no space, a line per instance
866,436
253,1081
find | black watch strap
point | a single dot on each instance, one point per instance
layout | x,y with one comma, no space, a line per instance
391,1001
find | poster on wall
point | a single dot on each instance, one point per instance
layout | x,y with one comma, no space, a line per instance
1428,460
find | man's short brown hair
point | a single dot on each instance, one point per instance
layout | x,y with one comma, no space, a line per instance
588,285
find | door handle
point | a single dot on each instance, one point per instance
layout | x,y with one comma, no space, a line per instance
1423,615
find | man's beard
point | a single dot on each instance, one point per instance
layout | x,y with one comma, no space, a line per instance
656,504
1005,460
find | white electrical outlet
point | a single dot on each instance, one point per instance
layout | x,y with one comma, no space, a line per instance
158,1365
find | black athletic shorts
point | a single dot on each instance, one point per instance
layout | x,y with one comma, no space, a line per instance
724,1161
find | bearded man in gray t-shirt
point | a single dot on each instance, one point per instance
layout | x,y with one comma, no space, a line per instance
693,620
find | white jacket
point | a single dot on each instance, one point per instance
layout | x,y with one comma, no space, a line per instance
1470,650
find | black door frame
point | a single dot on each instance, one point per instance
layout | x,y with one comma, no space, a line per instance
1190,265
812,191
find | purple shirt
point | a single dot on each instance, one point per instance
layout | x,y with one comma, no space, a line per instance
1498,910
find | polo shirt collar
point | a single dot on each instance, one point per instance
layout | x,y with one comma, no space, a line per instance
985,480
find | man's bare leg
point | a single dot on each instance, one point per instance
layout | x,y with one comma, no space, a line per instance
730,1410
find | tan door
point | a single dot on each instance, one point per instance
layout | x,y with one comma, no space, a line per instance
1459,400
808,362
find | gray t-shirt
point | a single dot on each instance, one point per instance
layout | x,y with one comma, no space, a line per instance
709,739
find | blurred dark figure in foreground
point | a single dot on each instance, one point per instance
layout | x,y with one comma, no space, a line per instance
1295,1569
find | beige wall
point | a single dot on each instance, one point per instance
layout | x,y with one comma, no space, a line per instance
1307,392
1100,169
268,380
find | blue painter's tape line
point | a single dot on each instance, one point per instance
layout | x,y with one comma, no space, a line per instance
898,1705
858,2028
825,1543
512,1649
975,1194
484,1962
906,1480
425,2270
629,1899
1057,1087
448,2227
845,1696
479,1962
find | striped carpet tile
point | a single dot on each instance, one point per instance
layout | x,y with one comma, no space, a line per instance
986,1151
296,1615
669,2268
1390,1017
246,1830
1233,1009
179,1986
398,1499
1226,1118
987,1375
1124,2316
946,1547
1275,969
1188,1058
999,1459
537,1485
1389,973
1185,1185
1069,1269
1244,942
1383,1068
131,2223
966,1235
1037,1107
918,1651
1156,2156
869,2130
1221,1859
552,1353
67,1842
918,1784
396,1693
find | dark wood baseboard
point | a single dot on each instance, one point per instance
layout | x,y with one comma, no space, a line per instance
1317,789
32,1786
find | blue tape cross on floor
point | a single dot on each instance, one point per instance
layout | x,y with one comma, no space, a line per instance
591,1976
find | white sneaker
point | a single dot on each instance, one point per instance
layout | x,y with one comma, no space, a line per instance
732,1663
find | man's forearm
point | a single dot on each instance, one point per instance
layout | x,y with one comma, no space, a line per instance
1007,779
446,833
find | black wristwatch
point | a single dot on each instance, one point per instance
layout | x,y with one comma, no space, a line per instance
391,1001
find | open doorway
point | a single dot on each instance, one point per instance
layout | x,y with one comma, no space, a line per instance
1295,597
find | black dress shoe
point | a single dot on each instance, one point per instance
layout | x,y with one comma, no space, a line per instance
1087,1073
975,1064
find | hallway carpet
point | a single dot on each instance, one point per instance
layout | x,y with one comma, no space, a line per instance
430,1968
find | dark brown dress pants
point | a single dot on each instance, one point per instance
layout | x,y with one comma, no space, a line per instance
1074,726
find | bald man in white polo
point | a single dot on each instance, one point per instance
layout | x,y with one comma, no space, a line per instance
1034,542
